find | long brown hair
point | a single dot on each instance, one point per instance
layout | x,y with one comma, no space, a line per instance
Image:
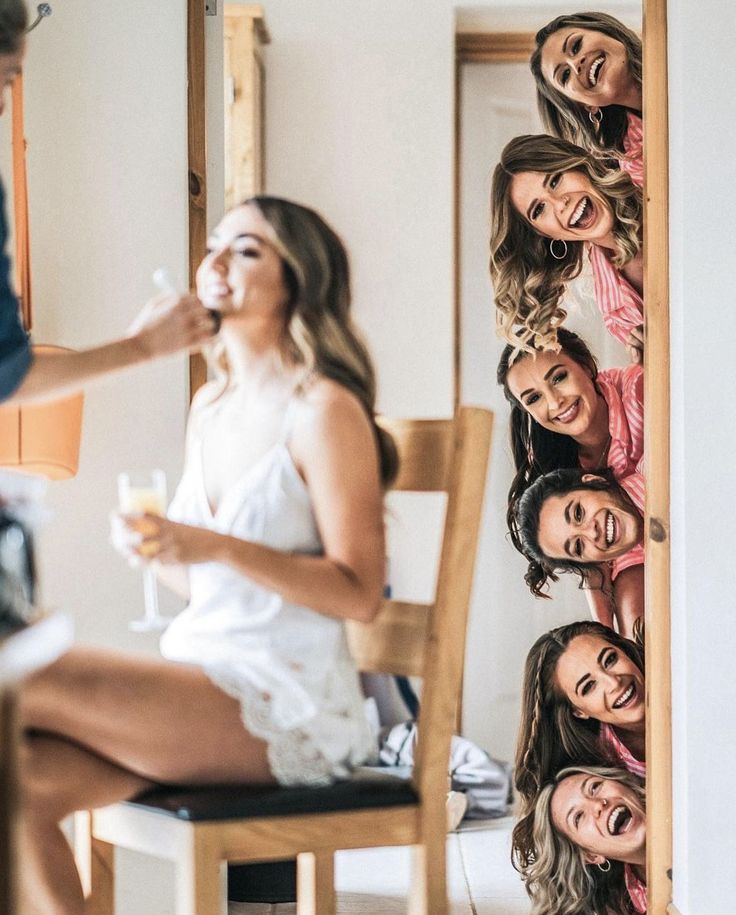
320,334
561,116
550,736
534,449
528,281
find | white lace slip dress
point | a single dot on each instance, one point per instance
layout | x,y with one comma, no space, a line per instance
288,666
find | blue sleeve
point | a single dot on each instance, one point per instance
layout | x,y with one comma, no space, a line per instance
15,351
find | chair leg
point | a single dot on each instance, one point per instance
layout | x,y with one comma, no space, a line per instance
95,861
428,891
315,887
201,881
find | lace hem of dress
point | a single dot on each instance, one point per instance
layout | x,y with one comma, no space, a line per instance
294,757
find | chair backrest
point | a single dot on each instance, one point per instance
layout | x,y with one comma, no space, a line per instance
428,640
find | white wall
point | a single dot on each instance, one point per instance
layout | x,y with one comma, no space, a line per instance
703,377
358,121
107,169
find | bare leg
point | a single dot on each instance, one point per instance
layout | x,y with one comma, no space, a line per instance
164,721
58,778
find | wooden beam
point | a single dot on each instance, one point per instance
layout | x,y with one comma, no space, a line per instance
494,47
656,450
197,144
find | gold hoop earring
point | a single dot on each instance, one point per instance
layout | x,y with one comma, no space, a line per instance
552,243
595,119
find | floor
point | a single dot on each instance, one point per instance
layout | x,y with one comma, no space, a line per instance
481,880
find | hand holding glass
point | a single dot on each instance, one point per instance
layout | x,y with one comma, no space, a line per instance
140,494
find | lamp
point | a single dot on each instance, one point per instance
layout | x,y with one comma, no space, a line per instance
38,438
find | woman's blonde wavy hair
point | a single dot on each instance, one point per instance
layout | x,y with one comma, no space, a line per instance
319,333
561,116
528,281
557,878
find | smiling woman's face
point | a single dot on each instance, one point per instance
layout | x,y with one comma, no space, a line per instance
242,273
602,682
602,816
563,205
556,391
589,67
588,525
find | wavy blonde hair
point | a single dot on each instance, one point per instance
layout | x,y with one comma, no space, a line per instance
557,878
528,282
561,116
319,335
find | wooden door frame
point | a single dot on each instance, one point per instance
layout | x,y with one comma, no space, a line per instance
513,47
657,384
197,174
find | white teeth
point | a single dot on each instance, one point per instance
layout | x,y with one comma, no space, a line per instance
609,529
617,814
593,72
623,699
567,414
579,210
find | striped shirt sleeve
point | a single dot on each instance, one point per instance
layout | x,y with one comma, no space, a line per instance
620,304
633,159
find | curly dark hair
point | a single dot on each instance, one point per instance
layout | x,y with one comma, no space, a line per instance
525,523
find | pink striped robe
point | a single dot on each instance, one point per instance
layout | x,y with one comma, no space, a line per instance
623,391
620,304
636,889
609,737
633,161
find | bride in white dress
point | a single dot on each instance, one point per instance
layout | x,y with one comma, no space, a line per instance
275,536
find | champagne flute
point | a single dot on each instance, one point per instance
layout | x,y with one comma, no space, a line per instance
145,493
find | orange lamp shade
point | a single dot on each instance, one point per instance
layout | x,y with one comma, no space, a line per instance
42,438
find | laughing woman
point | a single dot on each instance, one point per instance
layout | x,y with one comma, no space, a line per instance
583,701
587,67
565,413
587,855
275,537
551,203
572,521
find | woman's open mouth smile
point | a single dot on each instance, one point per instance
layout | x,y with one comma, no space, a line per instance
583,216
619,820
595,69
611,530
569,414
627,697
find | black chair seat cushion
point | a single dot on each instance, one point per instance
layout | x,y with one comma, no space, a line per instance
272,881
237,802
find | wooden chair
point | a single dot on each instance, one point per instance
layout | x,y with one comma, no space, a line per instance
203,829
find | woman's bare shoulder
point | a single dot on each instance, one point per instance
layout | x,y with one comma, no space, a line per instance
329,413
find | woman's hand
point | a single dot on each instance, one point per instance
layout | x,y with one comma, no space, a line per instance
151,538
170,322
635,345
